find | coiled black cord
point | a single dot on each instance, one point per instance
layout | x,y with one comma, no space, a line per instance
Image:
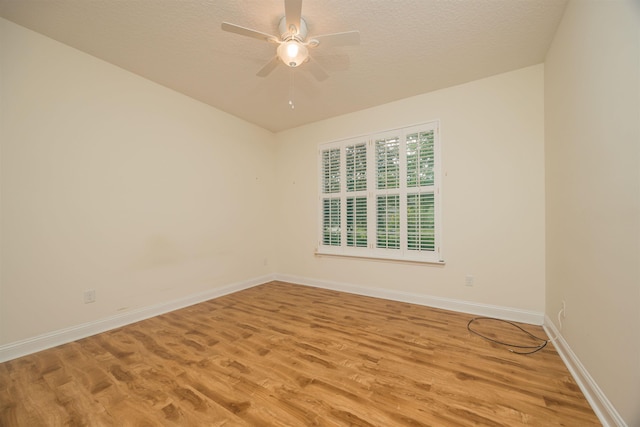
529,349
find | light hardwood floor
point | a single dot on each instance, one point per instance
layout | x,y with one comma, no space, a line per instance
288,355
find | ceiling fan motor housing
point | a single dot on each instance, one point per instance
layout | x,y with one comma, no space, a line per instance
290,33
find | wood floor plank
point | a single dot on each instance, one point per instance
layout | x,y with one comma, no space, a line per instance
288,355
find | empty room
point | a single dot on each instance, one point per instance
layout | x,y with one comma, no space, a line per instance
320,213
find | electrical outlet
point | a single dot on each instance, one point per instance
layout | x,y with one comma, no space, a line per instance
89,296
468,280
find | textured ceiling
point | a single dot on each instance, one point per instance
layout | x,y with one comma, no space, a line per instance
408,47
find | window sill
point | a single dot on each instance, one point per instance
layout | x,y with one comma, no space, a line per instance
377,258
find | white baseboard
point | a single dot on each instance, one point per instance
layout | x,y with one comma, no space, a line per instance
605,411
506,313
66,335
63,336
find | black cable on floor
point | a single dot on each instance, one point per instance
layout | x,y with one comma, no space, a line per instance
531,348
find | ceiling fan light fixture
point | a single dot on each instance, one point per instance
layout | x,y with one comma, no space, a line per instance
292,50
293,53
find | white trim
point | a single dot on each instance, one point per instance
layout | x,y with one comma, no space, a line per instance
603,408
372,193
387,259
506,313
73,333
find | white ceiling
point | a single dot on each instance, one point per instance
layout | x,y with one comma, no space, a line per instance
408,47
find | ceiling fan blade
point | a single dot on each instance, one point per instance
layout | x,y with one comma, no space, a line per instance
233,28
292,13
268,68
317,71
337,39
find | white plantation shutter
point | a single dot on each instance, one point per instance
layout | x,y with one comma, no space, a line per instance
356,198
387,191
421,222
357,221
331,171
388,221
387,163
356,166
380,195
420,159
331,206
332,230
420,191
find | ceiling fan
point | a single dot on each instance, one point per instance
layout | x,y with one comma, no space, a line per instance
293,44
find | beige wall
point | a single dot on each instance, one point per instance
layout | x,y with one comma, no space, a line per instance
110,182
113,183
592,113
492,134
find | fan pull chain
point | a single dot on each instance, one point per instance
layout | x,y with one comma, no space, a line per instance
291,104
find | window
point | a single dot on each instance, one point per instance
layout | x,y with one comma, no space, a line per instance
380,195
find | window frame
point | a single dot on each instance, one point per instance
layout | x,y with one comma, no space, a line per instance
372,194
